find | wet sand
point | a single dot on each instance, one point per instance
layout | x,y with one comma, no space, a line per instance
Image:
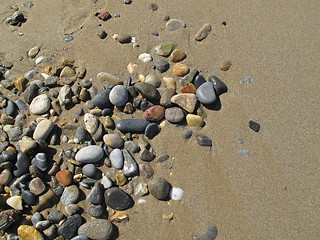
271,194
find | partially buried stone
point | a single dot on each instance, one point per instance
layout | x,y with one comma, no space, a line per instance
175,24
131,146
174,114
15,19
124,38
219,86
82,134
189,78
33,52
186,134
22,164
166,97
225,65
198,81
89,154
68,38
70,227
254,126
162,66
204,141
164,49
151,130
102,34
147,90
194,120
211,234
117,199
29,197
70,195
159,188
118,95
130,167
97,229
132,125
40,104
109,78
206,93
145,57
203,32
187,101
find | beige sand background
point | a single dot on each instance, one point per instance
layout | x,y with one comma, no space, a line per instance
272,194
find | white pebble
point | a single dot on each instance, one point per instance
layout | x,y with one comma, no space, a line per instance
133,39
64,139
141,201
39,60
145,57
176,193
7,74
44,75
29,75
76,140
106,182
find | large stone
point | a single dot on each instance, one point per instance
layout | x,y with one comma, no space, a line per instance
43,129
118,95
159,188
187,101
99,229
40,104
70,227
116,158
117,199
132,125
154,113
206,93
89,154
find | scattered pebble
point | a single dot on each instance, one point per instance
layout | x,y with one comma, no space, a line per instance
175,24
145,57
204,141
254,126
247,80
176,193
68,38
104,16
225,65
203,32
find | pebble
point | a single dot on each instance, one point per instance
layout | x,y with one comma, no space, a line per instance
95,211
116,158
174,114
118,95
64,177
15,19
22,164
124,38
21,84
146,155
206,93
159,188
153,80
70,195
254,126
11,108
90,170
186,134
97,229
89,154
177,55
29,197
43,129
146,170
204,141
5,177
121,179
247,80
170,82
101,100
154,113
153,6
70,227
131,146
189,78
154,32
72,209
164,49
29,232
180,69
42,225
187,101
147,90
39,60
40,104
175,24
82,134
141,189
211,234
165,18
36,217
33,52
51,232
117,199
109,78
113,140
36,186
176,193
151,130
40,160
130,167
194,120
106,182
203,32
22,105
219,86
189,88
96,194
244,153
198,81
65,95
55,216
91,123
162,66
15,202
132,125
225,65
31,93
145,57
166,96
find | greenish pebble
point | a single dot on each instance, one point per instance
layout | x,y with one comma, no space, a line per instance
165,49
166,97
89,181
189,78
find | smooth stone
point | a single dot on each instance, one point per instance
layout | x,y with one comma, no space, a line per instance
170,82
124,38
117,199
121,179
146,170
22,105
174,114
118,95
36,186
36,217
175,24
70,195
95,211
39,60
116,158
80,237
130,167
219,86
164,49
152,130
203,32
106,182
154,113
90,170
5,177
189,88
29,197
162,66
147,90
204,141
187,101
186,134
70,227
155,33
27,144
113,140
145,57
109,78
51,81
162,158
177,55
180,69
11,108
40,104
64,177
198,81
30,93
98,135
189,77
67,72
206,94
40,160
55,216
15,134
89,154
21,84
43,129
95,196
82,134
254,126
29,75
153,80
27,232
166,97
72,209
51,232
176,193
146,155
225,65
15,202
131,146
132,125
159,188
22,164
65,95
211,234
98,229
91,123
33,52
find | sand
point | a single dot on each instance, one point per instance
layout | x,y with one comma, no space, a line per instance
271,194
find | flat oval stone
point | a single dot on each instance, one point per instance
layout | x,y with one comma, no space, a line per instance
164,49
206,93
98,229
5,177
154,113
118,95
162,66
64,177
55,216
203,32
113,140
90,170
89,154
194,120
130,167
91,123
70,195
159,188
11,108
29,232
225,65
40,104
116,158
124,38
174,114
218,85
187,101
152,130
117,199
198,81
43,129
109,78
175,24
153,80
132,125
204,141
177,55
101,100
147,90
70,227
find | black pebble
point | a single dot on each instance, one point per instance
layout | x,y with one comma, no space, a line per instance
29,197
224,23
198,81
95,211
254,126
204,141
151,130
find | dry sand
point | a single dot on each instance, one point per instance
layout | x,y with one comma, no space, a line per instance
271,194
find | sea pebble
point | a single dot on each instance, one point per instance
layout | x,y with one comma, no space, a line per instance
124,38
170,82
206,93
65,95
166,96
43,129
31,93
180,69
187,101
146,170
51,232
145,57
189,77
154,113
22,105
204,141
40,104
189,88
95,211
225,65
55,216
29,197
176,193
147,90
132,125
68,38
104,16
29,75
64,177
164,49
90,170
42,225
219,86
15,202
121,179
141,189
159,188
40,160
33,52
97,229
91,123
5,177
254,126
113,140
174,114
153,80
70,227
162,66
11,108
211,234
22,164
106,182
186,134
175,24
132,68
95,196
70,195
36,186
39,60
117,199
89,154
109,78
36,217
151,130
146,155
29,232
118,95
21,84
198,81
177,55
82,134
116,158
130,167
72,209
203,32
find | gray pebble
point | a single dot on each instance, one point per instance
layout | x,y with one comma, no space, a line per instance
118,95
70,227
96,194
155,33
70,195
204,141
186,134
95,211
55,216
159,188
206,93
116,158
130,167
68,38
90,170
162,66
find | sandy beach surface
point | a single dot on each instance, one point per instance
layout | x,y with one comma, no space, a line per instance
274,192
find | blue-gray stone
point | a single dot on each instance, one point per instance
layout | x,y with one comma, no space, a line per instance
198,81
162,66
36,217
29,197
107,111
55,216
70,227
118,95
22,105
117,199
11,108
206,93
22,164
219,86
90,170
90,154
132,125
204,141
29,75
95,211
116,158
102,101
70,195
40,160
68,38
96,194
82,134
9,156
151,130
130,167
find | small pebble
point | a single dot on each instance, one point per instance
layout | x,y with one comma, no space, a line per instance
225,65
175,24
145,57
254,126
176,193
68,38
204,141
159,188
155,33
102,34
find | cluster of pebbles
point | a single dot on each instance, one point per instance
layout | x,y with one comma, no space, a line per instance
34,178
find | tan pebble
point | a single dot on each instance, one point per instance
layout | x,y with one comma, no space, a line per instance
27,232
177,55
180,69
119,217
115,36
187,101
121,179
170,82
163,124
189,88
67,62
33,52
132,68
108,122
194,120
15,202
142,78
225,65
67,72
47,69
167,216
113,140
21,84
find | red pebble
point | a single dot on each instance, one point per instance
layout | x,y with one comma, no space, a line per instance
104,16
154,113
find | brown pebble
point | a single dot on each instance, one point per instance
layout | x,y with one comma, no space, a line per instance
21,84
102,34
119,217
180,69
104,16
225,65
154,113
146,170
121,179
36,186
189,88
177,55
47,69
64,177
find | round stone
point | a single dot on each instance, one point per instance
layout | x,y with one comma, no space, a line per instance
70,195
204,141
91,123
194,120
159,188
154,113
124,38
176,193
180,69
151,130
153,80
101,100
113,140
175,24
36,186
90,170
118,199
116,158
174,114
225,65
27,144
43,129
177,55
206,93
131,146
145,57
164,49
162,66
186,134
97,229
55,216
64,177
118,95
29,197
89,154
40,104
